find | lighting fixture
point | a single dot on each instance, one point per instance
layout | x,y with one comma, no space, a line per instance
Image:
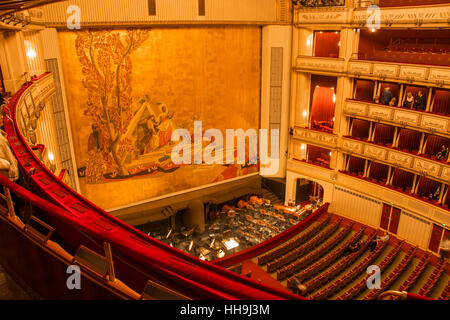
220,254
230,244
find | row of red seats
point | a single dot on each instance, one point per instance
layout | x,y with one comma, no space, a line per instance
445,295
408,283
416,273
362,284
336,286
300,251
291,244
324,263
313,256
419,49
435,275
339,268
373,294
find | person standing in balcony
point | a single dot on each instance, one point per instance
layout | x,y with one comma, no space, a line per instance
409,101
445,248
420,103
386,97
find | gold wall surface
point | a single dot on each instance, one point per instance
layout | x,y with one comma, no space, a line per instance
128,90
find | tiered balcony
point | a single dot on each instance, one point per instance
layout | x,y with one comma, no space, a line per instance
437,170
417,120
321,65
407,16
408,202
419,74
319,138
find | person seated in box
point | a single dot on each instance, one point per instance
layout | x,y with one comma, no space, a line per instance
393,102
420,102
409,101
435,196
442,154
386,96
376,99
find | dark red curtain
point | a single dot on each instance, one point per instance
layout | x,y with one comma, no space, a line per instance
409,140
356,165
384,134
360,129
434,145
322,108
364,90
442,102
326,44
402,179
427,186
378,171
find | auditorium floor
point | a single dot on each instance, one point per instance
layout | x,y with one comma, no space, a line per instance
11,290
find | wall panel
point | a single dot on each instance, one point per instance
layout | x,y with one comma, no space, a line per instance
356,206
136,11
414,229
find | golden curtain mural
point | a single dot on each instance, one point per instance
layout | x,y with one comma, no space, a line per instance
128,90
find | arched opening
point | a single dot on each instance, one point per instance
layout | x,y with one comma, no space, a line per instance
308,192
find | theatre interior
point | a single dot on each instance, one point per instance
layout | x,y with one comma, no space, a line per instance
225,150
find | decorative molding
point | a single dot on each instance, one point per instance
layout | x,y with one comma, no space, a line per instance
414,16
317,137
374,152
329,65
390,71
420,121
396,158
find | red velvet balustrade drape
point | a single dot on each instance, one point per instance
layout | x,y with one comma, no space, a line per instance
402,179
384,134
378,171
322,109
364,90
427,186
360,129
442,102
409,140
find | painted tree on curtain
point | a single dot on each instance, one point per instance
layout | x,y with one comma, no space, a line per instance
107,69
